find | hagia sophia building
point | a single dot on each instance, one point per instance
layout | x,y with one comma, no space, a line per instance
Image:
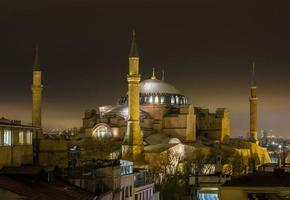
164,111
155,116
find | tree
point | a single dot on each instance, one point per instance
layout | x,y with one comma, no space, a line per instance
238,165
166,174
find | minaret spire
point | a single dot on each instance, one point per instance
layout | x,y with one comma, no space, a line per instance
253,80
153,74
36,65
133,49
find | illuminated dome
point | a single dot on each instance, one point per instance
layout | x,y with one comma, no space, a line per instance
155,91
155,86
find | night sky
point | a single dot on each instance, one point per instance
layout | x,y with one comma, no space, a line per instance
205,47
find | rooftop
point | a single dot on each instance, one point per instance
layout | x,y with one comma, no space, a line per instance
278,178
42,190
16,123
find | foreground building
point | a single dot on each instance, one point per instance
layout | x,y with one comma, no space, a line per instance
259,185
117,179
16,143
33,182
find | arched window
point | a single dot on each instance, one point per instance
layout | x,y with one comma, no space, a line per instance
151,99
156,99
176,99
162,100
172,100
28,137
21,137
102,131
7,137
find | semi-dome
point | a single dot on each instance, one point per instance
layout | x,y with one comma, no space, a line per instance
155,91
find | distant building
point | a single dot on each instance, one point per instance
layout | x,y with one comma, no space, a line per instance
278,147
271,167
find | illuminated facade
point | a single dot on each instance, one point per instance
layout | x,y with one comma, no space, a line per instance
163,110
154,108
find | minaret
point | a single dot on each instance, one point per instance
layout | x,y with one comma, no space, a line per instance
253,108
36,92
132,147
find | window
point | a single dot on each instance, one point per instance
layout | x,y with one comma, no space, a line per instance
127,191
172,100
21,137
177,100
123,193
130,190
151,99
102,131
7,137
28,137
136,196
156,99
162,99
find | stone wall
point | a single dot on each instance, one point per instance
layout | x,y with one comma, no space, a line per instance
215,126
53,152
16,155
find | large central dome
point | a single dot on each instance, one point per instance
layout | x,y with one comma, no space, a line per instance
155,91
155,86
